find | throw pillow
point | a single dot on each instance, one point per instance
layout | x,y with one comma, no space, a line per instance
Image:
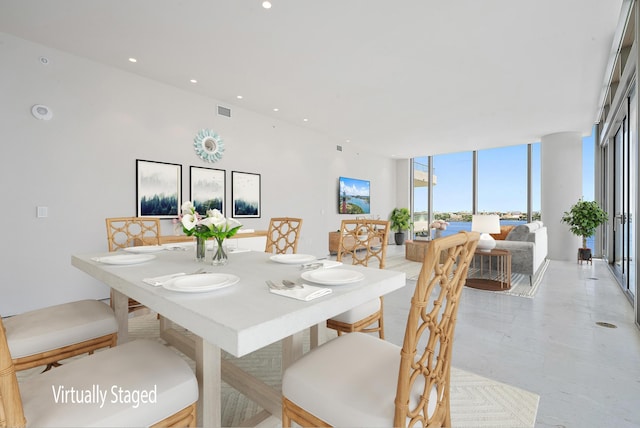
504,231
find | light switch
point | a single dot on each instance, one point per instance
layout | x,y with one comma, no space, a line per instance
42,212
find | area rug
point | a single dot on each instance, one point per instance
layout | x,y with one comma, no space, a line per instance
520,285
400,263
476,401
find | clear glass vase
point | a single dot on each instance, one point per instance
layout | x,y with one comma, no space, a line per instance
219,254
201,248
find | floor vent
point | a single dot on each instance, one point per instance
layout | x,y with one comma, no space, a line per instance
224,111
606,324
594,279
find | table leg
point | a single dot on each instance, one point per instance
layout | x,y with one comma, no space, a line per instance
291,349
120,305
318,334
208,357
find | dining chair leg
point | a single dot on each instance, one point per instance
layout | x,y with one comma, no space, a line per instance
286,420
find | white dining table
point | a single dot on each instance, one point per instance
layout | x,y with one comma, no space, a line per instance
238,319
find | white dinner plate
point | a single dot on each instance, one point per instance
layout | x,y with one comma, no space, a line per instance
125,259
334,276
201,282
293,258
144,249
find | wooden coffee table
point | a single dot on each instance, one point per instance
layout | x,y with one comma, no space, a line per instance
490,270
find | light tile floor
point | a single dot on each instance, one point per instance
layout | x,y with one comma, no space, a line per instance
586,375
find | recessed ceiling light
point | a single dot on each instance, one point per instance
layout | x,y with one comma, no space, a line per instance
239,97
133,60
193,81
276,109
305,119
347,141
266,4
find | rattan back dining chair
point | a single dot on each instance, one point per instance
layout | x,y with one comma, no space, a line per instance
364,242
144,384
359,380
124,232
45,336
283,235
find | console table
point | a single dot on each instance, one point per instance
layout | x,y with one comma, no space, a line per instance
490,270
415,250
334,242
255,241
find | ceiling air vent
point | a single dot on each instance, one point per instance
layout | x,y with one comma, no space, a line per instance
224,111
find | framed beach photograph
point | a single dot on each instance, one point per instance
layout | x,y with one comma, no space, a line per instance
354,196
208,189
158,189
245,194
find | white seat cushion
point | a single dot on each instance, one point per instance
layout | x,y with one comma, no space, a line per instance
348,382
359,312
58,398
57,326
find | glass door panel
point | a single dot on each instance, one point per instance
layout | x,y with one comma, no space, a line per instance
619,202
632,189
624,187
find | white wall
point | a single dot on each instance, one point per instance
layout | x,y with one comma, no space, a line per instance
81,165
561,164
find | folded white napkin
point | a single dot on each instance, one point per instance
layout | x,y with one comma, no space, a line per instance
322,264
329,263
306,293
157,281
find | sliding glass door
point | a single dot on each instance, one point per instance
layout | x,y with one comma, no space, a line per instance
623,179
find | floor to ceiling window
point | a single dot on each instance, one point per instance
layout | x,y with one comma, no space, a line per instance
421,189
502,183
453,194
508,183
588,180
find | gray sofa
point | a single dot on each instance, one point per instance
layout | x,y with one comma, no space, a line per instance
528,246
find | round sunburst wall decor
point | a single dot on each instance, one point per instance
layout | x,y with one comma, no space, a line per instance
208,145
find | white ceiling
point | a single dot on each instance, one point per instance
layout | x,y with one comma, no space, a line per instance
402,78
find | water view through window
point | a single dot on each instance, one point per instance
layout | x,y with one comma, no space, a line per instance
502,183
502,186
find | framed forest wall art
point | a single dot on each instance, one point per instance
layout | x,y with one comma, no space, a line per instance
158,189
245,194
208,189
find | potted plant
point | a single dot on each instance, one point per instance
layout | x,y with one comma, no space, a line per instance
400,221
583,218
